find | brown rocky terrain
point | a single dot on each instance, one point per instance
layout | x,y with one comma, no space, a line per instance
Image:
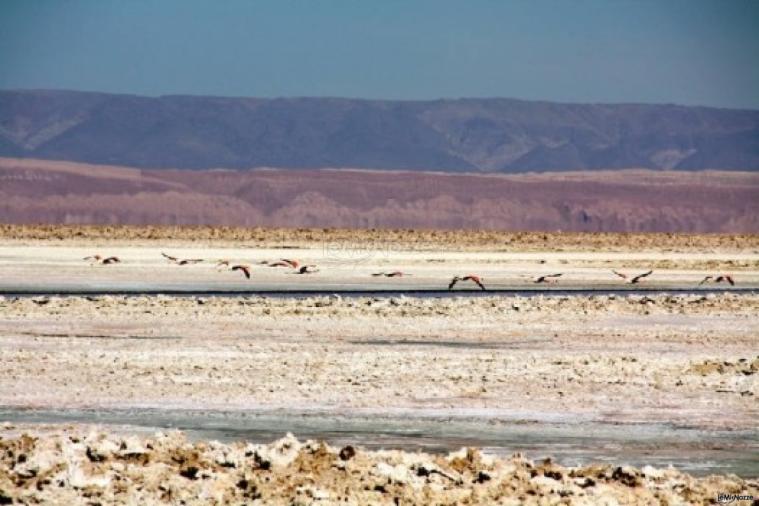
33,191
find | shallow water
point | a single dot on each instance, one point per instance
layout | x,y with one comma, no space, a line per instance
696,451
486,345
342,290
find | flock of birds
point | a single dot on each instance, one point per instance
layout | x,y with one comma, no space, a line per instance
299,268
245,269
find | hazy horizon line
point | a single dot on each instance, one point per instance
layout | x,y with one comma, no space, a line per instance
369,99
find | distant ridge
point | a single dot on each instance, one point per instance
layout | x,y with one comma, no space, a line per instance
463,135
43,191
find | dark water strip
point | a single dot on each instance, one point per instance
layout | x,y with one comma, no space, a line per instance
699,452
421,293
467,345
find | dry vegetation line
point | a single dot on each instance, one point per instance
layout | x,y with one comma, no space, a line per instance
394,239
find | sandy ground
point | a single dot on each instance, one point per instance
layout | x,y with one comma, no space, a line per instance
685,360
606,358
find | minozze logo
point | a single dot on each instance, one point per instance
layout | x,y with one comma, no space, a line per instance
728,498
355,251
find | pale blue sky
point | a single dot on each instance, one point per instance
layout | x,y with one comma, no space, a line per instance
668,51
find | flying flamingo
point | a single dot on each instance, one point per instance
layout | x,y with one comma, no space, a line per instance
394,274
719,279
469,277
98,259
245,269
178,261
285,263
634,280
637,278
190,261
548,278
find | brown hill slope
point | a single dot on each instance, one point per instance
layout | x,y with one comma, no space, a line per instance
34,191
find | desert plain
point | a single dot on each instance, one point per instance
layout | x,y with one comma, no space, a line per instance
612,381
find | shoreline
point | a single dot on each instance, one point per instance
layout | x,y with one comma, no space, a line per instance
569,440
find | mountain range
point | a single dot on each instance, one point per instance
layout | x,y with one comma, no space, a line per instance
463,135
